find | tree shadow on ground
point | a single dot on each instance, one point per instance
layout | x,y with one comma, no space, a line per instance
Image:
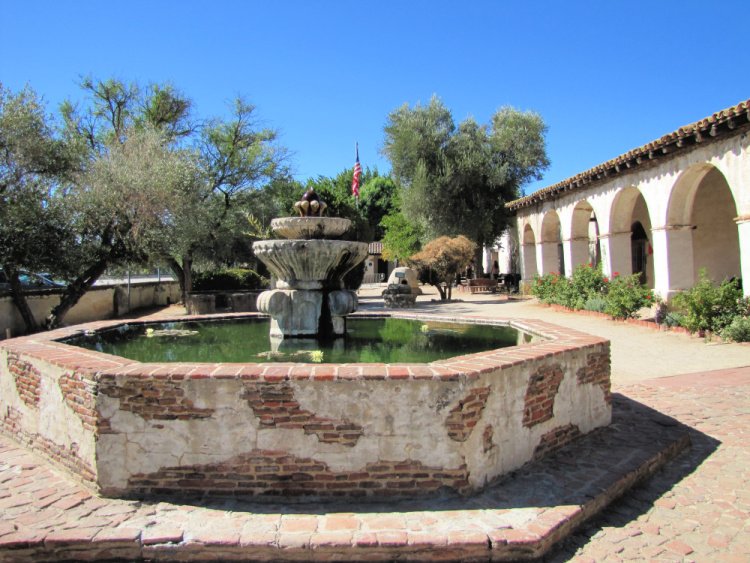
640,499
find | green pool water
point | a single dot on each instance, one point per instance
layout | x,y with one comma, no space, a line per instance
384,340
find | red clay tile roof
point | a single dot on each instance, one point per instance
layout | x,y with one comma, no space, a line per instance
719,125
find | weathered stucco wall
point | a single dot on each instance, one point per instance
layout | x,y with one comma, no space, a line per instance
360,430
97,303
51,409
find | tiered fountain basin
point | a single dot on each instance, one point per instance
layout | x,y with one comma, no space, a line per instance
302,431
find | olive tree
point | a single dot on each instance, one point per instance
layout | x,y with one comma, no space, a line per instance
33,161
456,179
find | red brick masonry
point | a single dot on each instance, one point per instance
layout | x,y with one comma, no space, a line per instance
153,399
465,415
540,394
274,404
277,473
27,380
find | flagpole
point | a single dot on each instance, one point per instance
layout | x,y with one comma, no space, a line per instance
356,156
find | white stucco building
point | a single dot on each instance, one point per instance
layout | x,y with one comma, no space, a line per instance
664,210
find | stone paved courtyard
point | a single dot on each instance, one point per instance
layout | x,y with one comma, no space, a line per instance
696,508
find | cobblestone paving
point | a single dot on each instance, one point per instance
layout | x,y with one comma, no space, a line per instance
698,507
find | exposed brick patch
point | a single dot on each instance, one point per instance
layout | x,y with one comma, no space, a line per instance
27,379
79,393
154,399
264,473
555,439
12,422
540,394
487,435
597,372
465,415
276,407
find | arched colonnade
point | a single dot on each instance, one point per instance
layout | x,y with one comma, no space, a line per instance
665,220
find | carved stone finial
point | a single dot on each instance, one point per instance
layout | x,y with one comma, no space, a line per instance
310,205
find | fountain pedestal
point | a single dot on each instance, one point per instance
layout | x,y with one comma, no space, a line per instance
299,312
308,298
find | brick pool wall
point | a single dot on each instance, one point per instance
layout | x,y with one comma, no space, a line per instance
312,430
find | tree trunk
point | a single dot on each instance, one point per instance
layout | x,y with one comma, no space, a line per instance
187,276
441,291
184,274
19,300
178,272
75,291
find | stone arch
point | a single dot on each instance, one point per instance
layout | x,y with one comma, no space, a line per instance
701,231
551,243
624,207
625,254
528,249
584,236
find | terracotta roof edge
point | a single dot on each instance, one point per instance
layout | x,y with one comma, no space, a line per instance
594,173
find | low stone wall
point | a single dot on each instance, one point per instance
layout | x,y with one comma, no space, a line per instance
210,302
302,430
98,303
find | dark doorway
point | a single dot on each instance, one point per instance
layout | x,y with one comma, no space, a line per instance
639,250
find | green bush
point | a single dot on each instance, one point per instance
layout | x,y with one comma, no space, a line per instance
674,318
707,306
738,330
589,289
229,279
544,287
626,295
587,282
598,304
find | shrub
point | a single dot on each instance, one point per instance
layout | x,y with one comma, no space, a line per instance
707,306
597,303
674,318
626,296
738,330
543,287
587,282
228,279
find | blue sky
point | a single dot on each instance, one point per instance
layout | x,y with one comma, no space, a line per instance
606,76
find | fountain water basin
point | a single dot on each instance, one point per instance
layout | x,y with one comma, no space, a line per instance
293,431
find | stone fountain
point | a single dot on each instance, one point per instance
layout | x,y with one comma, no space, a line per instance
309,264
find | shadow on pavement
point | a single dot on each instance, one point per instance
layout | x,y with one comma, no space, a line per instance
590,473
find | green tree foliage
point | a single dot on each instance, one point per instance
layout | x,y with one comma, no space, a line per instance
457,179
219,163
33,160
440,261
402,238
123,206
375,202
236,159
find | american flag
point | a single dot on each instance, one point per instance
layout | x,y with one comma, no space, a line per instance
357,175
